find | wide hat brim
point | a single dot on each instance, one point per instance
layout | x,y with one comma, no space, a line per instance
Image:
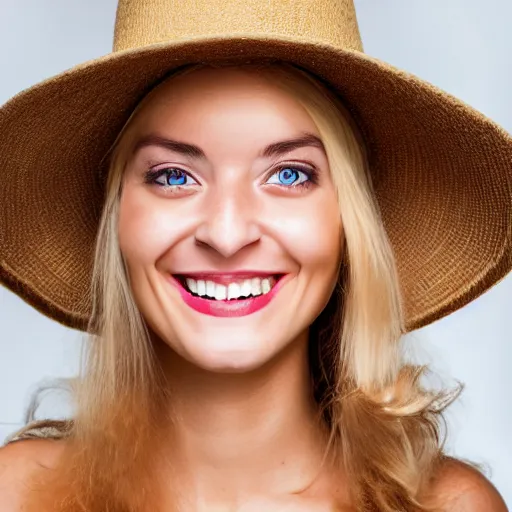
442,171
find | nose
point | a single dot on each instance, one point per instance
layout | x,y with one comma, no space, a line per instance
230,224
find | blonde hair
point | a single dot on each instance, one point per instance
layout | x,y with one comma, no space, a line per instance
385,428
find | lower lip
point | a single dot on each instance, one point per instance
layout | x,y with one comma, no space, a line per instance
227,308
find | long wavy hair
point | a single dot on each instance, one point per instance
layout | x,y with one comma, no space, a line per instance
386,429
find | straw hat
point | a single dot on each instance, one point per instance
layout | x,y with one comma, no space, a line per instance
442,171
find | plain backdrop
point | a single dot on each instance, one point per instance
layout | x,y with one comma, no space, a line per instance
462,46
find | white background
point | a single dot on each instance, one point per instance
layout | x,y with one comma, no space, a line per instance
462,46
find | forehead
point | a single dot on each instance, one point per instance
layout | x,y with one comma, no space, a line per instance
230,99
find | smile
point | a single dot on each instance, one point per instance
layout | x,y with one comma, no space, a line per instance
227,295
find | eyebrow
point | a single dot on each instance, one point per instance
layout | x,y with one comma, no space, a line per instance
193,151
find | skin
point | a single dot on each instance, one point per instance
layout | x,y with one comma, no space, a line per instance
247,436
241,385
234,219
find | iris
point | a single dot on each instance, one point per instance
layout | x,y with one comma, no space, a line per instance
176,177
287,176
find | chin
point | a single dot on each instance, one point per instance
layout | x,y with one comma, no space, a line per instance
228,357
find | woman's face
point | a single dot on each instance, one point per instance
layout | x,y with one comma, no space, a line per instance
233,240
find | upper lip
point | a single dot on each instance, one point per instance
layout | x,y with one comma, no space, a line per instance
228,277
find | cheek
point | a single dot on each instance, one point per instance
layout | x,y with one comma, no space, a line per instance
314,235
141,230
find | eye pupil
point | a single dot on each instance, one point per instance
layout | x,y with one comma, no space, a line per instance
287,176
175,177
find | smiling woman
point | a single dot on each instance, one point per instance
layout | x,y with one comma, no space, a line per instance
235,221
251,207
251,279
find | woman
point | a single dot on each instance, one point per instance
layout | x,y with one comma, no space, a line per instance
247,301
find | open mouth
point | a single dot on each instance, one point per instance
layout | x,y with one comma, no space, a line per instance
229,295
234,290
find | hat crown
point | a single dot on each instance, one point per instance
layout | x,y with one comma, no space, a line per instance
141,23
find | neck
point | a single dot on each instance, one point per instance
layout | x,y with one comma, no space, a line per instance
238,435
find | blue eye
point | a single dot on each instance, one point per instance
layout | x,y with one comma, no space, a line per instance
176,177
289,176
170,177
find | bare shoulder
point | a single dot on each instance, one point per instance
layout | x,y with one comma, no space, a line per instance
18,462
458,487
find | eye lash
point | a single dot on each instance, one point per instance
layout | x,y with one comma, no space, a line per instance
151,175
311,172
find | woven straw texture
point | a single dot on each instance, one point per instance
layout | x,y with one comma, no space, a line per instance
442,171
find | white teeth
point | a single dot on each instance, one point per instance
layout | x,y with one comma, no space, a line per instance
220,292
256,286
248,287
192,285
233,291
201,287
210,288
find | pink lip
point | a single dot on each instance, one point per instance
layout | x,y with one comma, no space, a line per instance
227,308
